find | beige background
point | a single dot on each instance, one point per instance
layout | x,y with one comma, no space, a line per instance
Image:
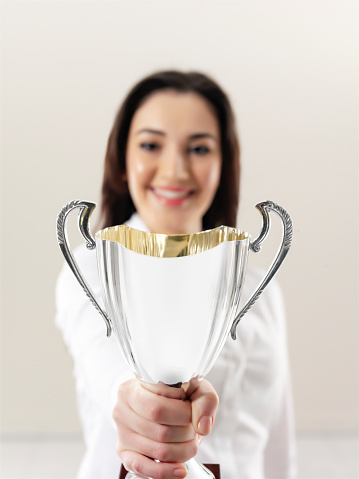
291,69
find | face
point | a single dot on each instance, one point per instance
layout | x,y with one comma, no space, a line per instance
173,161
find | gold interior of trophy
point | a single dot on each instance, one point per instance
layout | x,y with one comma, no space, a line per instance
170,246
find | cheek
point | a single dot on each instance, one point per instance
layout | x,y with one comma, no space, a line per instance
139,173
209,176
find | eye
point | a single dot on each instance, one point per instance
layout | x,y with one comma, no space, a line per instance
149,146
199,150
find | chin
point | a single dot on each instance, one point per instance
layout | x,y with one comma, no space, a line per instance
174,224
182,229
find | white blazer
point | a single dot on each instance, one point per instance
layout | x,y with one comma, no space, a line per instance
253,435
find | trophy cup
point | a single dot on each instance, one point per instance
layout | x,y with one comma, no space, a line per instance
165,294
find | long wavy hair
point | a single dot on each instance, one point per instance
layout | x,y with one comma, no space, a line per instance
116,202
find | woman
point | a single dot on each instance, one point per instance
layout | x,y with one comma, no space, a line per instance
172,166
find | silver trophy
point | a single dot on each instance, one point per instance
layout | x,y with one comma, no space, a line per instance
171,300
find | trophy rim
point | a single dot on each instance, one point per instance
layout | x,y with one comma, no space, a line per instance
170,245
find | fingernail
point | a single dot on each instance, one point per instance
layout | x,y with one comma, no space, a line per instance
180,472
205,425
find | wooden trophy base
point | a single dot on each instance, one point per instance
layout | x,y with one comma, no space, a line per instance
214,468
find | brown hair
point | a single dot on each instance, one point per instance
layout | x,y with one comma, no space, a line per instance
117,205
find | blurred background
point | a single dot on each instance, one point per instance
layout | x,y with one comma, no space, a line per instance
291,71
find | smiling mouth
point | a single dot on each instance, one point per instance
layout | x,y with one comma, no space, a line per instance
172,196
172,193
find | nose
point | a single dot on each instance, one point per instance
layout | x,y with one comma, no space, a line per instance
174,165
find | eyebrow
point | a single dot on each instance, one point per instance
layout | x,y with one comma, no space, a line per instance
196,136
202,135
150,130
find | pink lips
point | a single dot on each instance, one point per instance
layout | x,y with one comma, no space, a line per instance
171,195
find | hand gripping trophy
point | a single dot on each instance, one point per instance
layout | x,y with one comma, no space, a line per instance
166,294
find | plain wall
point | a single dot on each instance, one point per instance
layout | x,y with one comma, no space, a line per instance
291,70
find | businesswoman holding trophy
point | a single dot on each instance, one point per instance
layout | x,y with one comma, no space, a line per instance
172,171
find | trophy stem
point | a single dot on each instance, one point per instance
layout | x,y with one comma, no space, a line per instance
195,470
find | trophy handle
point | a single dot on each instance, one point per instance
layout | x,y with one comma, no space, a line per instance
264,208
86,209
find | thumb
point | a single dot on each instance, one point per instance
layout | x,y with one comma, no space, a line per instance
204,401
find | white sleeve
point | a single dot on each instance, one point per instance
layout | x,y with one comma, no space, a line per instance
280,453
280,450
99,366
253,435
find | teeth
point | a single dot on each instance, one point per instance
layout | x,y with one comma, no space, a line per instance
171,195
